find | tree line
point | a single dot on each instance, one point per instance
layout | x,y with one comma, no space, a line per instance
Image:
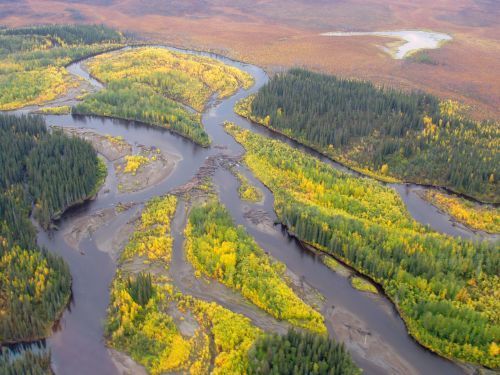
408,135
444,287
33,60
299,353
47,171
69,34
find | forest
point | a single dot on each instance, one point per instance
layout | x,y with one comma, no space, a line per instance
33,60
299,353
138,321
62,171
185,78
147,310
219,249
27,362
161,87
446,289
387,133
135,101
50,172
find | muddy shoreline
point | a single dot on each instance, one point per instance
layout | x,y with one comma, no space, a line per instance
115,150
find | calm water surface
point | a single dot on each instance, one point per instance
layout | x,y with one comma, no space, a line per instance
78,346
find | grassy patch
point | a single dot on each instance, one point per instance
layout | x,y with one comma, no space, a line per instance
361,284
335,266
62,110
422,57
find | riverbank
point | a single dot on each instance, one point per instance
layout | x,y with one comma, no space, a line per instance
243,109
93,272
366,224
478,217
135,167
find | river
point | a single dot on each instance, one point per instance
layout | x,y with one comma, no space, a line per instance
367,324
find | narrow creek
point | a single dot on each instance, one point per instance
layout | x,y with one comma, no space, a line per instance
367,324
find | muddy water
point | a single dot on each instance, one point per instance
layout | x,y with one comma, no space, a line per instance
368,325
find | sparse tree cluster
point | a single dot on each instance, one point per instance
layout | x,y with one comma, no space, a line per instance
140,288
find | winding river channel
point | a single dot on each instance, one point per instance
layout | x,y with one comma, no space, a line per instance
367,324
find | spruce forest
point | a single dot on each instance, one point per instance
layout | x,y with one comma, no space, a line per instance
299,353
47,171
411,136
444,288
